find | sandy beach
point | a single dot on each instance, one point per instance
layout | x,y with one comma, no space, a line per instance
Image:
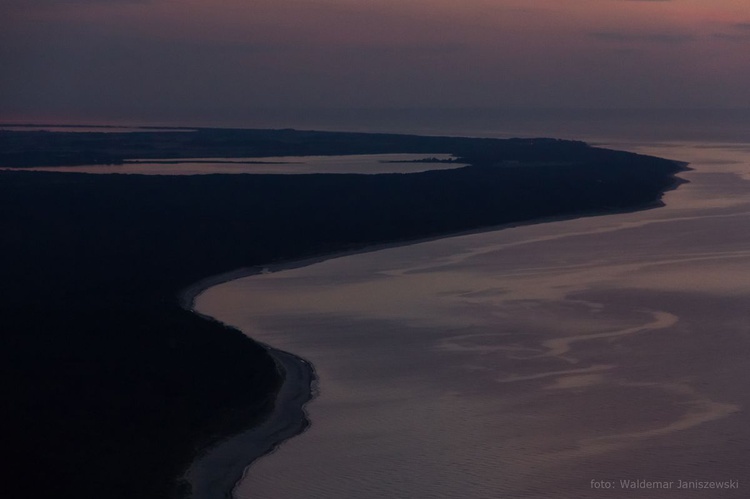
216,471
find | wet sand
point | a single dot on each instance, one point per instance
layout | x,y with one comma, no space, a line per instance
217,472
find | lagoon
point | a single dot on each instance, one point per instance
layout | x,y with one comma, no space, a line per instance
285,165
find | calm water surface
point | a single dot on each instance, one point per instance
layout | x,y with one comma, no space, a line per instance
525,362
353,163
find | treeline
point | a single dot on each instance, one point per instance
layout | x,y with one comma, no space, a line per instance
43,148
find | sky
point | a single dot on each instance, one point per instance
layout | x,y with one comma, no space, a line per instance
217,60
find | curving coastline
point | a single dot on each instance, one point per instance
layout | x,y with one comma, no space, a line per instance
625,367
215,473
110,293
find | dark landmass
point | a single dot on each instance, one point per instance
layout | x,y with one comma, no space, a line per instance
424,160
19,149
42,148
109,386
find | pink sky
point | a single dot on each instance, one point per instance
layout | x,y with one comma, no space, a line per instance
106,59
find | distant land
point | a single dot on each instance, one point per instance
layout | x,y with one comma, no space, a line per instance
110,387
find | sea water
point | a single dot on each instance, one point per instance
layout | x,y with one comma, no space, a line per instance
554,360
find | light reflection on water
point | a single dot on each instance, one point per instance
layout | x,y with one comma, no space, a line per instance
524,362
354,163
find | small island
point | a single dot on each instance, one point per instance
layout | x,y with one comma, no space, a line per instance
111,386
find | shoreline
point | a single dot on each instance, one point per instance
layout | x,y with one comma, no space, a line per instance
186,297
217,470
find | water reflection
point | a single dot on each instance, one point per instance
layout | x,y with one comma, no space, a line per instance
287,165
525,362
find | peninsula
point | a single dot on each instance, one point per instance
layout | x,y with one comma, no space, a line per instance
111,387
